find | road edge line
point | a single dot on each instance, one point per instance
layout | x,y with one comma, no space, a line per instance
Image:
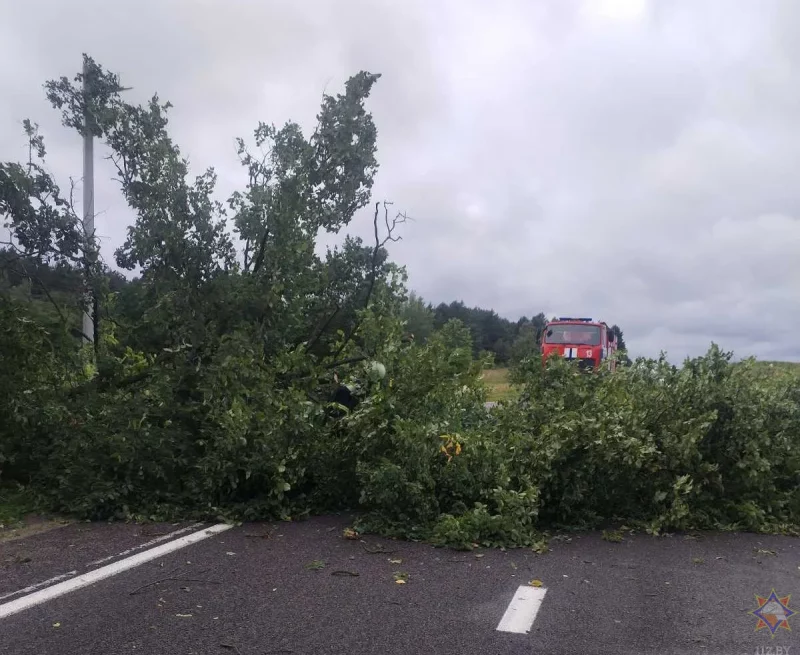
152,542
43,583
86,579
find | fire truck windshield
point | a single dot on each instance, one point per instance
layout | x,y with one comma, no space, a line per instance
580,335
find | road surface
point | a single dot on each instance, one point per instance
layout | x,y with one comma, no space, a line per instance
302,588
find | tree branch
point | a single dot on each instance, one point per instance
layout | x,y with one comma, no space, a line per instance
373,274
349,360
317,334
261,247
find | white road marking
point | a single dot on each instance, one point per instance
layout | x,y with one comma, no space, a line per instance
86,579
43,583
521,611
58,578
152,542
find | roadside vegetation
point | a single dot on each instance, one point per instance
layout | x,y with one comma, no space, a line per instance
16,503
208,390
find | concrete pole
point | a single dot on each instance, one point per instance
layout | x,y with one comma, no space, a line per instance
88,200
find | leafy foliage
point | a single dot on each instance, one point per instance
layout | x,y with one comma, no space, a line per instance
209,392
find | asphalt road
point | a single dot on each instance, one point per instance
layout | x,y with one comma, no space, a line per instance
301,588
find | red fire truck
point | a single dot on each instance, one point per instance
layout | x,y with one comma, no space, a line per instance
588,341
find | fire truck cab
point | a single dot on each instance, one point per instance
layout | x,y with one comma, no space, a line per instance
588,341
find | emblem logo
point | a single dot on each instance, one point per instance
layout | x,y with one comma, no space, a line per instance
772,612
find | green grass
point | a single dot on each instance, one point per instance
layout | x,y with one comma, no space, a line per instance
779,367
786,370
499,387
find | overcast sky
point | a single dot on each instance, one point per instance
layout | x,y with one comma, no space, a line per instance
630,160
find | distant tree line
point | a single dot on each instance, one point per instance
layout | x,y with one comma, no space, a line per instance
507,340
61,284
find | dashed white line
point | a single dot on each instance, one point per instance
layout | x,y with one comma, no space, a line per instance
152,542
86,579
522,610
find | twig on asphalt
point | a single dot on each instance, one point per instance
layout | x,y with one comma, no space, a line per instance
352,574
231,647
155,582
194,580
378,550
171,578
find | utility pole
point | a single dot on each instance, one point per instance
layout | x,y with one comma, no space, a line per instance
88,199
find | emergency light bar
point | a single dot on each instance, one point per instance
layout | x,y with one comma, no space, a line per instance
567,318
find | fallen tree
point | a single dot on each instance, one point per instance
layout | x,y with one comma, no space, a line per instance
209,391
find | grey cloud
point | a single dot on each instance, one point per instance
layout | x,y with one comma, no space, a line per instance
627,159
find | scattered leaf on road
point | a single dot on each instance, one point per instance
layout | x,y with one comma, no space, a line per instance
57,624
349,533
764,551
395,561
614,536
316,565
400,577
536,583
540,547
698,560
352,574
479,555
184,616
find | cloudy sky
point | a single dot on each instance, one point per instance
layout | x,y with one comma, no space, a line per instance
632,160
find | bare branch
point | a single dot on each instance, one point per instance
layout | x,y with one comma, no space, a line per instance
373,273
399,219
